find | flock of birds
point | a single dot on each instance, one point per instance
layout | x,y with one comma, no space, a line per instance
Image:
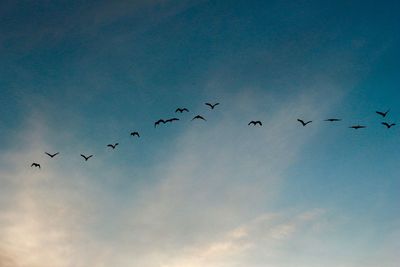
212,106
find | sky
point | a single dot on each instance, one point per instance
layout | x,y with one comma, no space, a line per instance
78,75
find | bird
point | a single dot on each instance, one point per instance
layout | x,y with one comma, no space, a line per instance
383,114
199,117
333,120
356,127
86,157
158,122
388,126
172,120
50,155
34,164
255,123
113,146
303,123
181,110
211,105
135,133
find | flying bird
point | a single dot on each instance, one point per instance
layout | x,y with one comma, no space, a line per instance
383,114
333,120
255,123
172,120
199,117
35,165
135,134
158,122
356,127
113,146
51,155
303,123
181,110
211,105
86,158
388,126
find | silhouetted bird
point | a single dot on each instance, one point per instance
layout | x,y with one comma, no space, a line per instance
356,127
333,120
172,120
35,165
135,133
50,155
255,123
383,114
211,105
113,146
303,123
158,122
198,117
181,110
388,125
86,158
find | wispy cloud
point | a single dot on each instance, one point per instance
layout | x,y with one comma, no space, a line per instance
206,203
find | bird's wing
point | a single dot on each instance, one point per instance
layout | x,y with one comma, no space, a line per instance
380,113
48,154
249,123
208,104
260,123
83,156
185,109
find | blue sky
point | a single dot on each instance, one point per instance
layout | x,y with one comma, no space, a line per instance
77,76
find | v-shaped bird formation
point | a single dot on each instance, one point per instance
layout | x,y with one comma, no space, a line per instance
303,123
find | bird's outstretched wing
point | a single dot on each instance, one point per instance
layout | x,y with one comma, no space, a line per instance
51,155
303,123
383,114
34,164
211,105
86,158
158,122
332,120
181,110
135,133
388,125
199,117
172,120
356,127
255,123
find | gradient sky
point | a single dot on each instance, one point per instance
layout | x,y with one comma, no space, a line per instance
77,75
